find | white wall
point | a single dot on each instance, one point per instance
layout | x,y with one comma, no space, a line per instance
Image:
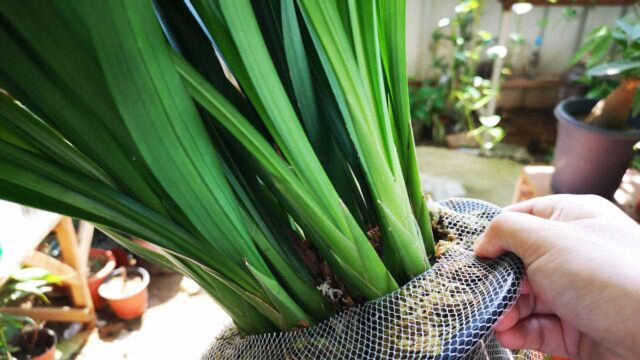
559,39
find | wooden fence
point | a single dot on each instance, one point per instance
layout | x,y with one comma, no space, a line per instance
538,64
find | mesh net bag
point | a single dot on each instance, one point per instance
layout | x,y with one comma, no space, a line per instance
446,313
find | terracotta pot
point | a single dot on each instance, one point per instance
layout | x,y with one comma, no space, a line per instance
589,159
45,345
94,281
133,303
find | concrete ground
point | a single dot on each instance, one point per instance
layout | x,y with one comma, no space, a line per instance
482,178
177,325
181,324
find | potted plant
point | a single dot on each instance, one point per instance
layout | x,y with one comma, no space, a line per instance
22,338
101,264
450,102
35,344
276,168
20,335
596,136
125,290
10,325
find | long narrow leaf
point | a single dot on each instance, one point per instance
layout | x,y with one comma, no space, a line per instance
371,269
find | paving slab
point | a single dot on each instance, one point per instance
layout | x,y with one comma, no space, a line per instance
482,178
178,325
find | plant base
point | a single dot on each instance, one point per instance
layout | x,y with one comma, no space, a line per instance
446,313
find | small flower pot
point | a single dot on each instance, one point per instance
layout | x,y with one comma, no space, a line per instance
127,300
589,159
36,347
101,264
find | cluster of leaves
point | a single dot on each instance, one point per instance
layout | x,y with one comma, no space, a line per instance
258,144
10,325
26,282
611,54
428,105
455,91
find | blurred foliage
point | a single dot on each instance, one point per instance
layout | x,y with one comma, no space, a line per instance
427,104
569,13
450,99
10,325
611,54
28,281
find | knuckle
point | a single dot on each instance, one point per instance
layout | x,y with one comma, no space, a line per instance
498,224
594,198
595,202
569,198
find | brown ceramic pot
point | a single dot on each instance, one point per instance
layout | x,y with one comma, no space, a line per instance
589,159
43,347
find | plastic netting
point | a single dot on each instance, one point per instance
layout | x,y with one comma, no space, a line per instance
446,313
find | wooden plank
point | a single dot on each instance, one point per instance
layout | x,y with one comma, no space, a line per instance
86,295
64,314
85,235
68,274
68,242
69,248
542,82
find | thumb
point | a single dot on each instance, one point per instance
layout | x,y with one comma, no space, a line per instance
528,236
544,333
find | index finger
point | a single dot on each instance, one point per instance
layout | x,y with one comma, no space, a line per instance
542,207
565,207
527,236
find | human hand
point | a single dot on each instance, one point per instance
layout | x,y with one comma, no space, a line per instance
581,298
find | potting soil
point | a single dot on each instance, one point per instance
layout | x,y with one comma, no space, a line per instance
117,289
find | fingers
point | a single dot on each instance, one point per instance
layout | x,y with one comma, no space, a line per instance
512,316
526,287
508,320
564,207
527,236
541,332
527,305
540,207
